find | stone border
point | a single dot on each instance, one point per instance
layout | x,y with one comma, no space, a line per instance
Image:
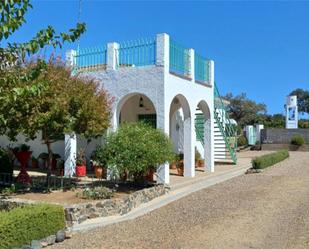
78,213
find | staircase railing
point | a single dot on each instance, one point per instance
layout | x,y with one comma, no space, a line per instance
227,129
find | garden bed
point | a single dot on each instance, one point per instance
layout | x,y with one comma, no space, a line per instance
125,198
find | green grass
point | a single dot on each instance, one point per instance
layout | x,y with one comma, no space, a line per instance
270,159
21,225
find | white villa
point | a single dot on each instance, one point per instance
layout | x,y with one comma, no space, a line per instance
165,84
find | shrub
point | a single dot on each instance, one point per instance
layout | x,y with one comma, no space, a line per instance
6,165
270,159
136,148
23,224
242,141
96,193
297,140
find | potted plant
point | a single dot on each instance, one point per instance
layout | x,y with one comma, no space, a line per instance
173,164
180,166
80,163
197,158
23,154
99,170
201,163
34,162
150,174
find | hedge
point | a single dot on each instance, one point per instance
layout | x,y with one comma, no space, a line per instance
270,159
21,225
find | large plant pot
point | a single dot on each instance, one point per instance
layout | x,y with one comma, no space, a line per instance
180,168
99,172
173,165
150,175
23,158
80,170
200,163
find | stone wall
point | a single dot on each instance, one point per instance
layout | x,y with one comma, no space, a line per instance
282,136
75,214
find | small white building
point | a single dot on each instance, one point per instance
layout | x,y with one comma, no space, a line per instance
161,82
166,84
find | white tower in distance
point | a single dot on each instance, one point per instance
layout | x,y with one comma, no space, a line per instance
291,111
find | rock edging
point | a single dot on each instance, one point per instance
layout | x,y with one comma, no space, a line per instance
78,213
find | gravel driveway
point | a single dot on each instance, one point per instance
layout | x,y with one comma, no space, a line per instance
266,210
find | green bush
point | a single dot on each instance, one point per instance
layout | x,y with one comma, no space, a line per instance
270,159
135,148
242,141
23,224
97,193
5,163
297,140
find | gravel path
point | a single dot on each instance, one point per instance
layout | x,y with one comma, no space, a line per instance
267,210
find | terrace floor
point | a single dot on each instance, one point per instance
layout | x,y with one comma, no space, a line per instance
243,162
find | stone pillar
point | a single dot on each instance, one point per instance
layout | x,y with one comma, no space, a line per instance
259,127
163,51
112,56
192,65
209,135
189,147
70,58
211,72
70,143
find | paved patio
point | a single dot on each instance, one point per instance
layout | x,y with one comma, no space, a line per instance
244,161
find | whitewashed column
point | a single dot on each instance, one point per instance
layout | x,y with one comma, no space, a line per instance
163,51
211,72
162,60
189,147
192,65
70,143
209,139
112,56
70,58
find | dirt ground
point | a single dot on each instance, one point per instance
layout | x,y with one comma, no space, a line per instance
269,210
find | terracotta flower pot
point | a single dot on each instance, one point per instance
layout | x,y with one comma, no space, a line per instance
201,163
80,170
180,168
150,175
173,165
23,158
99,172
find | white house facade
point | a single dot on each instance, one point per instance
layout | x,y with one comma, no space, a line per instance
162,82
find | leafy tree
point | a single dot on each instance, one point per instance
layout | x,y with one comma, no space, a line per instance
303,99
65,104
135,148
244,110
17,83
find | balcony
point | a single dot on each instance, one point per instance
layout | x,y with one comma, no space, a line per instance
177,59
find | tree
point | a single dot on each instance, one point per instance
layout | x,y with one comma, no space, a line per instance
244,110
65,104
135,148
17,84
303,99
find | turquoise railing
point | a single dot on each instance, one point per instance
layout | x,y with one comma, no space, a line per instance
138,53
201,69
88,59
227,129
179,59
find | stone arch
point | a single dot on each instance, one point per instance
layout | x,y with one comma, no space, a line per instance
132,106
207,135
182,132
